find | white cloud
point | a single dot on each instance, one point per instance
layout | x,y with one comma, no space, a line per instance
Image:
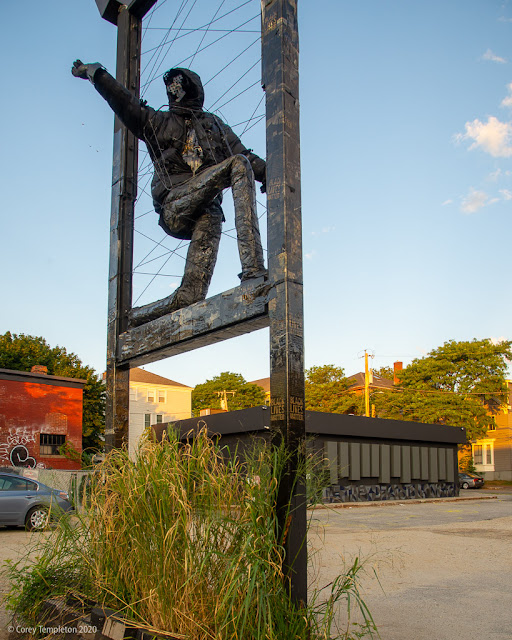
492,57
311,255
494,136
507,101
446,202
474,201
506,193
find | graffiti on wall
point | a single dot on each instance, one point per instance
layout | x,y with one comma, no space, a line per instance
14,452
369,493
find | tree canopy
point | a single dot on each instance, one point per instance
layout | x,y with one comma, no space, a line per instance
244,394
327,389
459,384
21,352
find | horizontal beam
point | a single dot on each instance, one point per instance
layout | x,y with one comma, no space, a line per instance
227,315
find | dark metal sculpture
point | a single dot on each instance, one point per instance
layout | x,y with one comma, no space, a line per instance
195,156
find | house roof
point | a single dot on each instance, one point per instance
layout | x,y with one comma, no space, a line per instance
357,380
141,375
40,378
264,383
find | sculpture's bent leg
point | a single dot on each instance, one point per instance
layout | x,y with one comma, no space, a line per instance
192,211
246,219
201,259
199,265
186,201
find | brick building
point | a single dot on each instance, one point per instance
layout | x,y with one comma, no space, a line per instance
38,414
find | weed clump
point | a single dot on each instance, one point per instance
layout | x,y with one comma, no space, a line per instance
183,539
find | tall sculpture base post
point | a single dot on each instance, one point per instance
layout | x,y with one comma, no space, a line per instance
280,78
124,193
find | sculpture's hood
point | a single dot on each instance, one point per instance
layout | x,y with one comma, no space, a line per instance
194,92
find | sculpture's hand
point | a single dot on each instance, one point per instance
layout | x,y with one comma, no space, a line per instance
79,69
263,187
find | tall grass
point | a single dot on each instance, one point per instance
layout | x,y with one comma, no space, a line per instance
183,540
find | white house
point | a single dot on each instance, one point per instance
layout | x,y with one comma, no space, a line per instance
155,399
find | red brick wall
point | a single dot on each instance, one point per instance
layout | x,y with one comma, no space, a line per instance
28,409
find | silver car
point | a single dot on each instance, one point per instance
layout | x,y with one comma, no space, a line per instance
29,503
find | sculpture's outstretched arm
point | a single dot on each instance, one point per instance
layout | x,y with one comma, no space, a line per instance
132,113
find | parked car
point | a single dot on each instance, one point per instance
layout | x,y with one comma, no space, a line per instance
470,481
29,503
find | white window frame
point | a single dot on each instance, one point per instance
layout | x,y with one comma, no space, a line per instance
152,393
487,445
161,393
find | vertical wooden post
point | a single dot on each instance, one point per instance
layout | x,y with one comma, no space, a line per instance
124,193
280,56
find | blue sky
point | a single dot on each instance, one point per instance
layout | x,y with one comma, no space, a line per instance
406,124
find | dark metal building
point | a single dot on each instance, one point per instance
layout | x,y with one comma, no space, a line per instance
366,458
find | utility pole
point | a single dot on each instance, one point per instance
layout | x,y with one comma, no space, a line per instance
368,379
280,77
224,398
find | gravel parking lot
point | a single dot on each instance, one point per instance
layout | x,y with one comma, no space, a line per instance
444,568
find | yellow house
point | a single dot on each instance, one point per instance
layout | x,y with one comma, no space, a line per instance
155,399
492,455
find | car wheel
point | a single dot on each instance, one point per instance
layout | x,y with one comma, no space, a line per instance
37,519
465,485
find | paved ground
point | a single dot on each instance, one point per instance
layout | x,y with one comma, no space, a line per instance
14,543
444,568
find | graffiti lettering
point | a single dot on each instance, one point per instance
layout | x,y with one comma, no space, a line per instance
371,492
14,452
21,458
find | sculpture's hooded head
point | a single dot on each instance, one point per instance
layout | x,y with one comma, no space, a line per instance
184,88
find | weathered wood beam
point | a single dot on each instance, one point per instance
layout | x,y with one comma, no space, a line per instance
124,193
227,315
280,71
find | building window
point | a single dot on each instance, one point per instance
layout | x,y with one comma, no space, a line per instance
492,428
483,455
151,395
159,418
161,395
49,444
147,420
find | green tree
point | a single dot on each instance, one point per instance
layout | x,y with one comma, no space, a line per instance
385,372
327,389
245,394
458,384
21,352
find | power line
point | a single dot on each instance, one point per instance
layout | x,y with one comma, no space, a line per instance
231,62
204,35
241,92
